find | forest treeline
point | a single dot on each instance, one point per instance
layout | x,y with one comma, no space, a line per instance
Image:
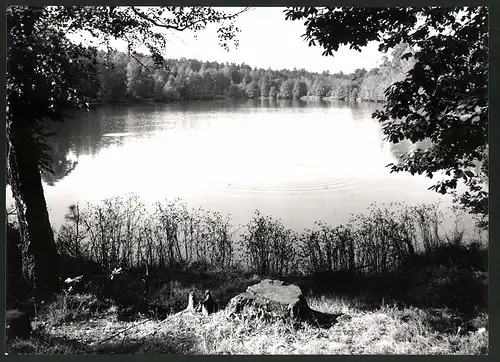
121,77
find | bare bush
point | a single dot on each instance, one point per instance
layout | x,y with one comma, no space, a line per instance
270,247
119,232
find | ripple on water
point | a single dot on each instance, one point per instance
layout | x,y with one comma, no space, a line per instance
339,185
121,134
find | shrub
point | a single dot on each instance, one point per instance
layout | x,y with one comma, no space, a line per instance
120,233
269,246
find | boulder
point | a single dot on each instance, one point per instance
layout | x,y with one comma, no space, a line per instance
272,298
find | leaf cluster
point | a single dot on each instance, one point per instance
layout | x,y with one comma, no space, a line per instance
443,98
48,74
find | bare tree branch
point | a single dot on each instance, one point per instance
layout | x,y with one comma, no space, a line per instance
138,61
186,26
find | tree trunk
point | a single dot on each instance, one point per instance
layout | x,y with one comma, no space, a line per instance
40,258
15,287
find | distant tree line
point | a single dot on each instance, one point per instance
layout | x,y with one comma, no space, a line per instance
123,77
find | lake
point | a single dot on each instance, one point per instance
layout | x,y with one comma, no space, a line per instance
295,160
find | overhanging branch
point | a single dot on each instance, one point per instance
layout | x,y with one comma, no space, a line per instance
157,22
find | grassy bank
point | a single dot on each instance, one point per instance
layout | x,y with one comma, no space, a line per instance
410,286
387,329
427,311
440,311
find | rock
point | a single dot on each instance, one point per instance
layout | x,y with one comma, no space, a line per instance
272,298
17,324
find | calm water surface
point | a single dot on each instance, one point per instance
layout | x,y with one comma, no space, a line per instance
301,162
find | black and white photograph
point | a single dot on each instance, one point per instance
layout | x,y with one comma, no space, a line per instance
204,180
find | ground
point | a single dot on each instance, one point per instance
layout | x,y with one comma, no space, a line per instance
384,330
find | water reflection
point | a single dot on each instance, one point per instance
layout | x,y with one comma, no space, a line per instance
401,149
83,135
405,147
115,126
361,110
62,164
303,161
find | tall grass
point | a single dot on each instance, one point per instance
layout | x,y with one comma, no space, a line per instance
120,232
327,249
269,246
379,241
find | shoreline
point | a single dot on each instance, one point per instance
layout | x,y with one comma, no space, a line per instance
304,99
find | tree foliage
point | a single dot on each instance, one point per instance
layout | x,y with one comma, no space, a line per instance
443,97
299,89
48,74
120,77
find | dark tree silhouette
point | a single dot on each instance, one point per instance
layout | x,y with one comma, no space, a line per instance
44,78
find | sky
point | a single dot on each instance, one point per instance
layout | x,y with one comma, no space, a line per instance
268,40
